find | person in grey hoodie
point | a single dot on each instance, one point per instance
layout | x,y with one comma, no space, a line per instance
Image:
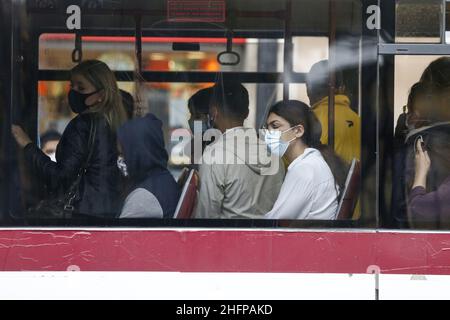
238,177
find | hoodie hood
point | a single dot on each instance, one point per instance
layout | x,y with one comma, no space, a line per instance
415,132
143,146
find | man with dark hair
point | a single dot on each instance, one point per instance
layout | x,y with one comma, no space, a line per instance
347,125
49,142
238,179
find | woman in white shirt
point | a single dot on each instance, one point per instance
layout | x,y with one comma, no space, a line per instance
315,175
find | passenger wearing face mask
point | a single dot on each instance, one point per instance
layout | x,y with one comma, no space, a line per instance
315,175
95,98
237,177
153,192
49,141
347,123
198,106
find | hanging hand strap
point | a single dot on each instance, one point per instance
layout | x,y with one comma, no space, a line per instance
221,57
77,53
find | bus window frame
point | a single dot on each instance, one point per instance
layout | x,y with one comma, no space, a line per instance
387,51
369,217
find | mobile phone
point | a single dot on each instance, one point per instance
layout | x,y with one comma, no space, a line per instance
422,143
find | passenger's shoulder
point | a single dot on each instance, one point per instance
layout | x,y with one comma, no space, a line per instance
81,122
213,153
139,193
304,170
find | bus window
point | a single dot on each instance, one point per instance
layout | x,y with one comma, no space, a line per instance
55,51
206,58
308,50
293,80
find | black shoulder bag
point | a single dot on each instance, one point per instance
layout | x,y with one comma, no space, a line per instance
63,206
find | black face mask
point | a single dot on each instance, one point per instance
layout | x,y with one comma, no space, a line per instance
77,101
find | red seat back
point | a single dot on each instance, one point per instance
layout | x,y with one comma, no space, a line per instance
183,177
188,197
350,195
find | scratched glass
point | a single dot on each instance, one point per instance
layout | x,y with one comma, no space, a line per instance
161,56
419,21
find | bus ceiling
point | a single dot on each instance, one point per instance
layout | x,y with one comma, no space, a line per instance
307,18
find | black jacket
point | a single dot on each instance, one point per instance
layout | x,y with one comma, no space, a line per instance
100,186
146,158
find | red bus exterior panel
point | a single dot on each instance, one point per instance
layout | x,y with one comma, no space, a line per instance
224,251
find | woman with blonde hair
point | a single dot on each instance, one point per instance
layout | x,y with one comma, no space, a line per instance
86,154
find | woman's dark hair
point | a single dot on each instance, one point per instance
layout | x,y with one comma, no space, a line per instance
437,78
437,144
231,98
199,102
424,92
318,77
438,73
298,113
50,135
418,90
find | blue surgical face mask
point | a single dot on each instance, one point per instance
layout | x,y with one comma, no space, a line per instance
273,140
204,125
52,156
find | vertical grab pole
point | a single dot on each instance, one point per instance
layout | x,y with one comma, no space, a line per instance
138,69
288,58
332,72
444,21
138,32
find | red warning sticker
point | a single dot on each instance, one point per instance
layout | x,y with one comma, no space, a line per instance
196,11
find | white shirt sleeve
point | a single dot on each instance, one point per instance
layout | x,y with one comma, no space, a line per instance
296,195
141,204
